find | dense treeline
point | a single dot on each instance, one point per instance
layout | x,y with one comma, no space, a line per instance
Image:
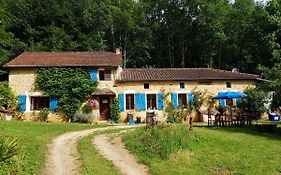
162,33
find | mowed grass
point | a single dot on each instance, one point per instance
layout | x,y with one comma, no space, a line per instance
33,139
208,150
92,162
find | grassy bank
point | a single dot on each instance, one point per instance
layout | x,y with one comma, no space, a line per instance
32,141
206,150
92,163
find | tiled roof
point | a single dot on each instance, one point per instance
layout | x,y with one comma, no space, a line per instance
103,92
152,74
47,59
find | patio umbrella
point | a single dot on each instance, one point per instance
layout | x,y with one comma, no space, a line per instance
229,95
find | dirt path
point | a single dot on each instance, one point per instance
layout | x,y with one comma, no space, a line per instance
113,149
62,154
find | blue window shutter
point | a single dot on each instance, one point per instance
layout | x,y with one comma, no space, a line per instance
121,102
190,98
22,103
140,101
93,73
222,102
175,102
53,103
160,100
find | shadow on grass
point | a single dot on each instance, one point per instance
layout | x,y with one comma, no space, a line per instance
272,133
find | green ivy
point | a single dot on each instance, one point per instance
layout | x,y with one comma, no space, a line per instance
71,85
115,111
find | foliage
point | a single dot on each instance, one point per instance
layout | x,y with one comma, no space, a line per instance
114,110
254,103
274,75
87,108
7,98
43,114
199,98
71,85
214,147
175,115
8,149
184,33
83,117
158,142
32,138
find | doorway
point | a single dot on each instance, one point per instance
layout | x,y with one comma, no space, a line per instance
104,107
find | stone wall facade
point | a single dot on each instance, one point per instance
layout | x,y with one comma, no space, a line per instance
21,80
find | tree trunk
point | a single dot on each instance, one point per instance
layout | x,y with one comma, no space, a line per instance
182,55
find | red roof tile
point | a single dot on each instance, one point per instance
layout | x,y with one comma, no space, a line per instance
153,74
47,59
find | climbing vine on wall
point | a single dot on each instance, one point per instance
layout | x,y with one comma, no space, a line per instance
72,86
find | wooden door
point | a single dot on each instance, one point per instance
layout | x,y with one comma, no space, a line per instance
104,108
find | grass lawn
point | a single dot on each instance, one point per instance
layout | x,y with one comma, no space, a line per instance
207,150
92,163
32,141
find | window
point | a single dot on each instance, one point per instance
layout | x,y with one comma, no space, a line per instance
229,102
146,86
130,101
38,103
105,75
151,101
182,98
182,85
228,84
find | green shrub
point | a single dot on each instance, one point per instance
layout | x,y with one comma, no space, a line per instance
115,111
87,108
8,149
83,117
43,114
8,99
158,142
254,103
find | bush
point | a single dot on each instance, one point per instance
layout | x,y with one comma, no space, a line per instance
83,117
158,142
115,111
8,149
8,99
87,108
254,103
43,114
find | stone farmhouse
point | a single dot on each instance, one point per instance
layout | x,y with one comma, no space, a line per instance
139,89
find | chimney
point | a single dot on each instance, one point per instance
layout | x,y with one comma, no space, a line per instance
118,51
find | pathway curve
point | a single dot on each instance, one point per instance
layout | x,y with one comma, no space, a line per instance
62,154
114,150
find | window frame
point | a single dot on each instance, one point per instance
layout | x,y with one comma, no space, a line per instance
182,85
105,75
186,100
228,84
36,107
134,101
145,86
156,102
